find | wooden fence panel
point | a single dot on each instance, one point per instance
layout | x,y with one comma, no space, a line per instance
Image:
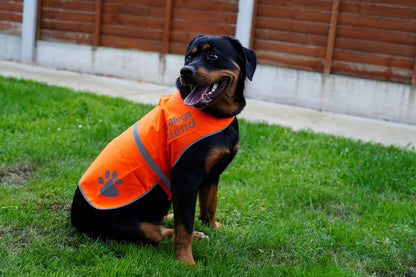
189,18
292,33
376,39
155,25
372,38
133,24
11,16
71,21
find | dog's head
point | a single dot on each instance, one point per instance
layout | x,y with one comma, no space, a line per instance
213,76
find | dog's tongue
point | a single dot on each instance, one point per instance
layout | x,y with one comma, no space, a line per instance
196,95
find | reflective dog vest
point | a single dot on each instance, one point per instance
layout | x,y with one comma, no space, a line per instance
143,155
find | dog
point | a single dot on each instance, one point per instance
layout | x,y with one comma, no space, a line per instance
173,155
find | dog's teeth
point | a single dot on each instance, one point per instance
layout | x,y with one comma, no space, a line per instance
214,87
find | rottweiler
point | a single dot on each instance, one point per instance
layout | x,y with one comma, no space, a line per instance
173,155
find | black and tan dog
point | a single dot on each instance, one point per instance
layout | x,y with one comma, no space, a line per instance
174,154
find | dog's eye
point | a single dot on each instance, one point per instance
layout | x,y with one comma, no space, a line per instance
212,56
188,59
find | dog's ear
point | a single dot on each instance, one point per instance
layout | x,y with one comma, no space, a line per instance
251,62
249,57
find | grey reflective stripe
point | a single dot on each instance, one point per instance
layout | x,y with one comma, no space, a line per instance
112,208
149,158
200,138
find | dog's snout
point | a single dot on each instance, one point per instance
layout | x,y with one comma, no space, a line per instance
187,71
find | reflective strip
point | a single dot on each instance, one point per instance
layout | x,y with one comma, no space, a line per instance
149,158
199,139
112,208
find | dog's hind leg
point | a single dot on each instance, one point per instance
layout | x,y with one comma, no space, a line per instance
155,233
196,234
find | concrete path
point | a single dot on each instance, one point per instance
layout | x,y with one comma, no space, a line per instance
357,128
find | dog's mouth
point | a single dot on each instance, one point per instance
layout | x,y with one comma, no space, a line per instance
206,94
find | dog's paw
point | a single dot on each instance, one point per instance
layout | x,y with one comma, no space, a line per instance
169,217
200,235
109,189
217,225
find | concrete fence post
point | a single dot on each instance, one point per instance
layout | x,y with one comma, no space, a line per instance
244,21
29,30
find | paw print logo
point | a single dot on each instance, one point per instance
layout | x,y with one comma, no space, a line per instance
109,188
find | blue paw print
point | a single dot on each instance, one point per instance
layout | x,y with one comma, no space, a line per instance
109,188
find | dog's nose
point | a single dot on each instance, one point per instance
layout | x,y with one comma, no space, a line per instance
187,71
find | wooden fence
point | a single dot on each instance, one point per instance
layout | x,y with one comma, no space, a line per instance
155,25
366,38
371,38
11,16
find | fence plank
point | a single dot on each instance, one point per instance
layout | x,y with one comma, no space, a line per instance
70,5
290,48
67,15
208,5
375,47
331,37
131,31
123,42
67,26
374,72
77,37
285,36
166,27
371,34
153,3
292,26
11,7
300,4
394,24
136,9
414,72
10,27
372,59
386,10
11,16
155,23
199,27
204,16
294,14
97,23
293,61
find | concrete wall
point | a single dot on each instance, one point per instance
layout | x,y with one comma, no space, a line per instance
10,47
342,94
335,93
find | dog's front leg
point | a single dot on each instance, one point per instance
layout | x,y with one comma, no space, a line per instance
208,204
184,213
183,245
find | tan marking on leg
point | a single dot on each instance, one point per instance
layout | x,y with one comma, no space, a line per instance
166,232
208,205
151,231
200,235
183,245
214,156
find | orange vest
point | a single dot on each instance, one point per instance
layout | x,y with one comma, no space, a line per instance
143,155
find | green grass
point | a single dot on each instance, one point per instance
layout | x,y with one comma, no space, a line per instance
291,203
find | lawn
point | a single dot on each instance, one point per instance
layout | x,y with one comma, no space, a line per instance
291,203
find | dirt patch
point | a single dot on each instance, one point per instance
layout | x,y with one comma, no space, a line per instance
17,174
